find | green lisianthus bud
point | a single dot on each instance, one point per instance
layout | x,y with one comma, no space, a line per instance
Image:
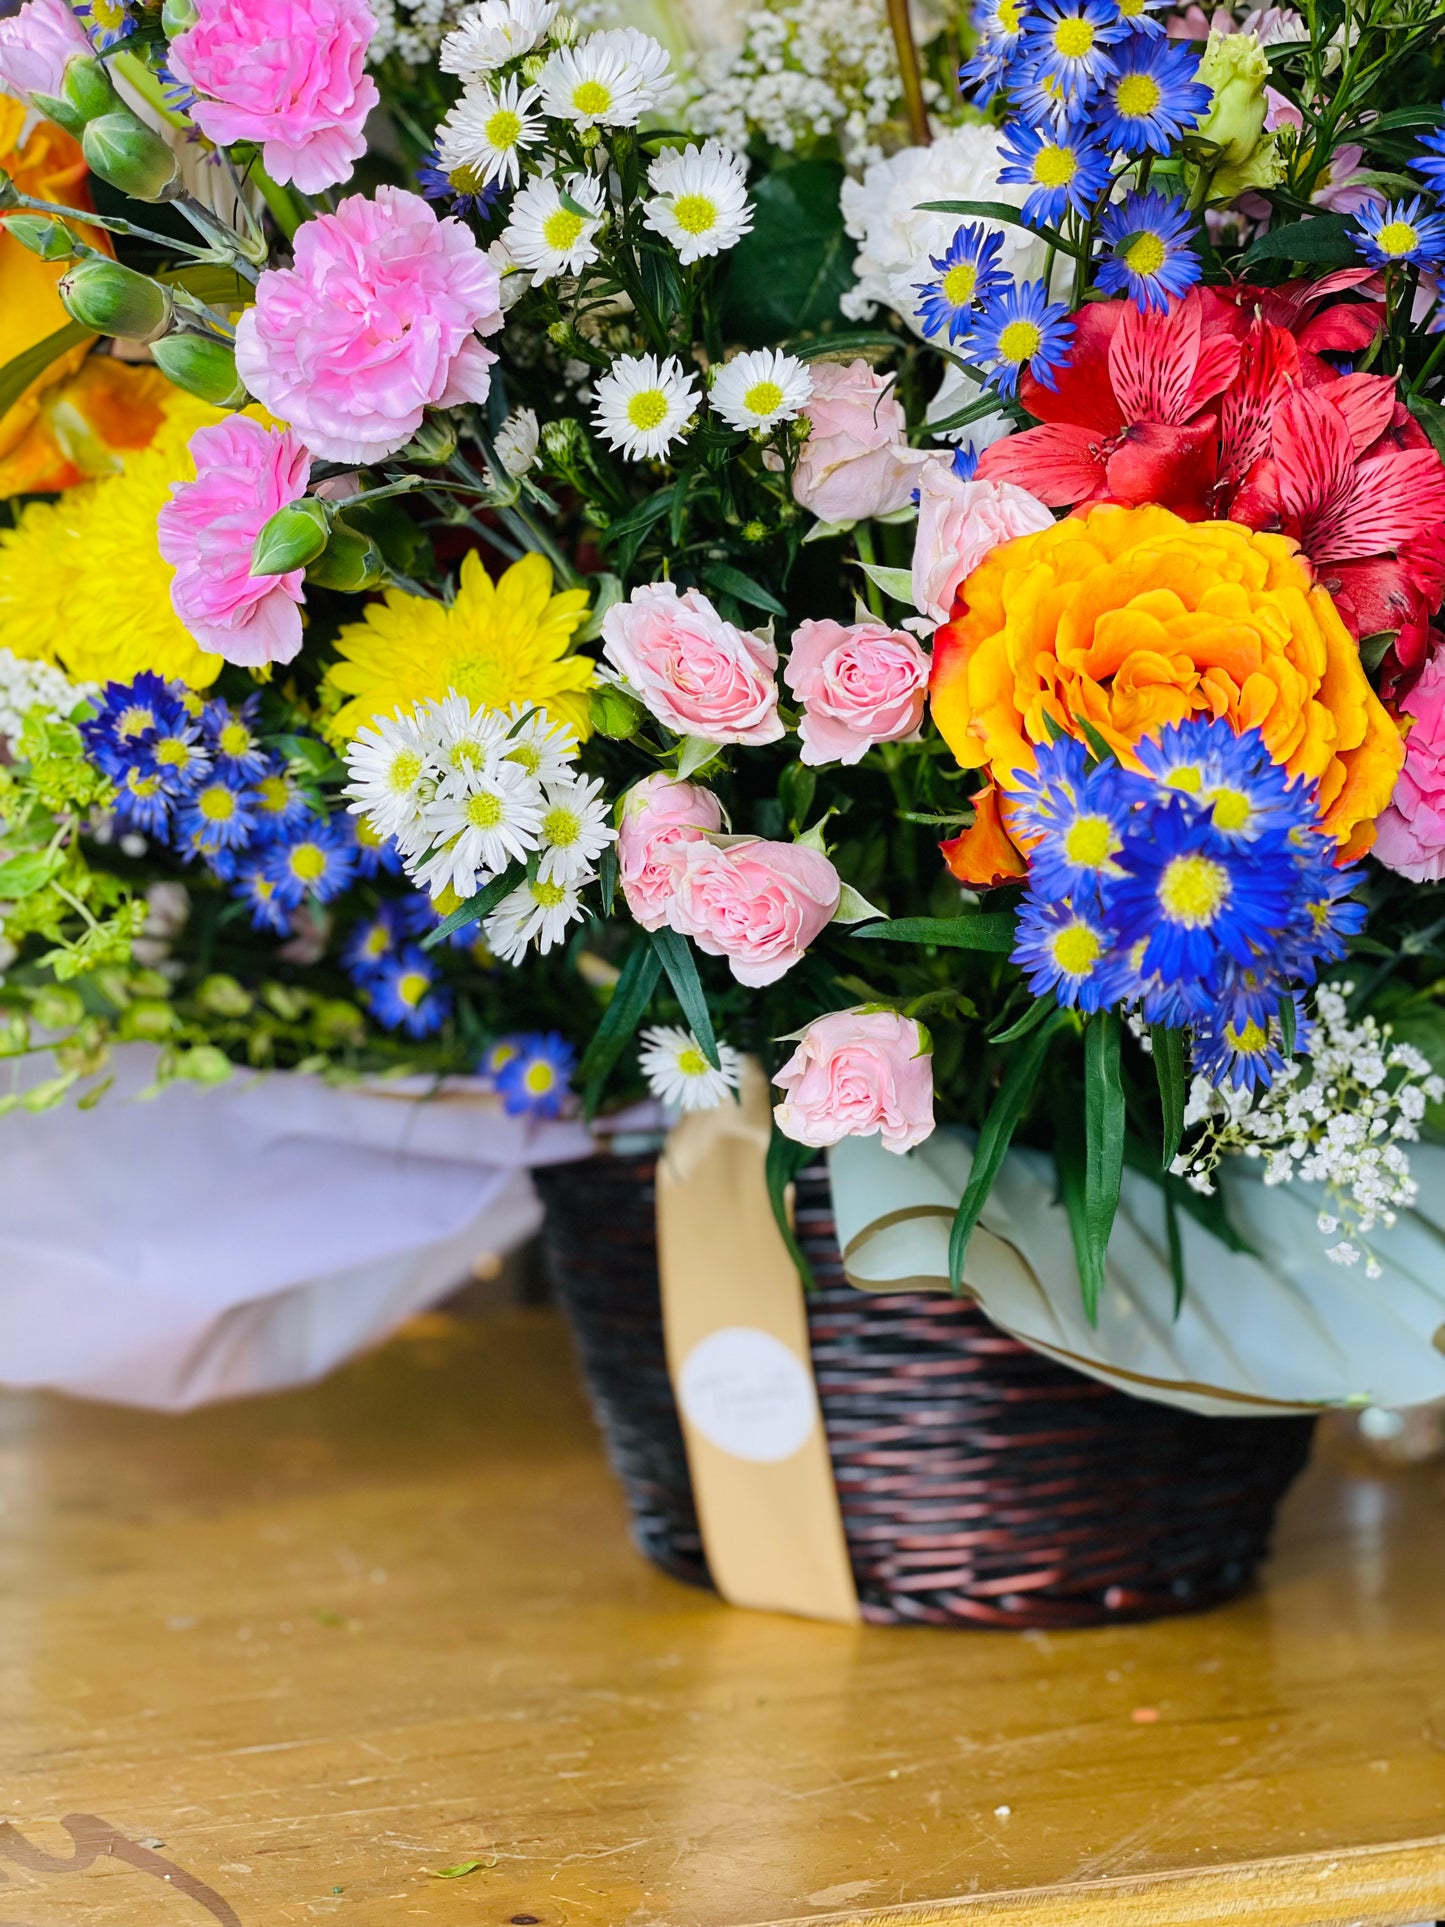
111,299
203,366
615,713
294,538
122,150
52,240
178,16
1236,68
352,562
88,87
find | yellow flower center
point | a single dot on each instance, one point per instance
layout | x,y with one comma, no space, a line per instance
1193,890
405,769
142,786
1055,166
694,213
591,97
174,754
1137,95
1090,842
235,740
549,895
959,283
217,804
502,1055
1232,809
483,811
366,835
1073,38
1010,15
467,753
503,130
1144,254
467,179
539,1078
561,229
1185,776
376,942
1397,237
1020,341
272,794
528,755
107,14
763,398
308,862
412,986
1252,1038
647,408
134,721
692,1063
1077,949
561,826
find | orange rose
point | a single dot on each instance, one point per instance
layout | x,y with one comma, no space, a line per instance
1130,619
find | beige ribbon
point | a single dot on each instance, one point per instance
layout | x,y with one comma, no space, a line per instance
737,1349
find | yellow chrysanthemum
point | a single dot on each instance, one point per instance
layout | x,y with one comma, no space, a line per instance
82,580
498,643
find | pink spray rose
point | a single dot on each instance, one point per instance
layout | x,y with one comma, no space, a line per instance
207,530
958,523
861,685
1410,836
758,904
658,815
858,1073
35,46
698,675
856,462
376,322
287,74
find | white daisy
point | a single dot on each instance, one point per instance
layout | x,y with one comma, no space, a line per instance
516,444
393,770
493,32
544,748
700,203
480,828
538,911
575,830
513,276
488,130
553,225
466,739
677,1073
756,390
591,85
646,62
643,404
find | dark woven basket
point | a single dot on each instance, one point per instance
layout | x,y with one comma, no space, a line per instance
981,1483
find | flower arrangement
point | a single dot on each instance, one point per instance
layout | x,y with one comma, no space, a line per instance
933,583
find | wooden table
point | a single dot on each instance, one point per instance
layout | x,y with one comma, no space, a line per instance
288,1661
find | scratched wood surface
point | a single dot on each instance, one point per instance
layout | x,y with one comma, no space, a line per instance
290,1660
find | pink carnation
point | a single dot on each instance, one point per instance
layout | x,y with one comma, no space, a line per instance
858,1073
862,685
856,461
208,528
1410,836
958,523
758,904
287,74
658,815
376,322
35,46
698,675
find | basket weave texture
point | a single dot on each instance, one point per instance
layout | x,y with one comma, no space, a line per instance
981,1483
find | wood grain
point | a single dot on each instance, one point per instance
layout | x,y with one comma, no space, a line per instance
307,1653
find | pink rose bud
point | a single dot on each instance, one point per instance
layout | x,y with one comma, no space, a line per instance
658,815
858,1073
35,46
1410,836
208,529
861,685
698,675
758,904
958,523
376,322
856,462
286,74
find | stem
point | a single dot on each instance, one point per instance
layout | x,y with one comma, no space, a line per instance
863,542
283,210
224,240
1432,362
127,228
908,72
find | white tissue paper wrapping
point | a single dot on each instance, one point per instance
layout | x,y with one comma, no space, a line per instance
1286,1330
210,1243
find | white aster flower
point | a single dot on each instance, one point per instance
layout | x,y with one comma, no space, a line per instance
699,202
393,770
756,390
642,404
544,748
488,130
679,1075
644,60
465,739
546,235
538,912
479,828
516,444
493,32
591,85
574,829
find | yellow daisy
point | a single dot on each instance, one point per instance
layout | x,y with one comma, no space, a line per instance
498,643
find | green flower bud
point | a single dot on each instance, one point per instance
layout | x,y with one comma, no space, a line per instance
294,538
56,1009
131,156
146,1022
1236,67
434,442
111,299
222,996
204,1065
178,16
52,240
352,562
615,713
9,192
203,366
88,87
61,112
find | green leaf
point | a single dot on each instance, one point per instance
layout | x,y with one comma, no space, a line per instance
314,756
788,274
212,282
897,583
1322,238
990,402
481,905
460,1871
1007,1109
982,931
1037,1011
17,374
625,1011
1169,1073
1287,1024
681,967
1176,1250
731,581
853,906
785,1159
22,876
1103,1153
1003,213
607,878
1431,417
850,342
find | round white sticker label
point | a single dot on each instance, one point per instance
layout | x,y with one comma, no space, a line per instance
748,1395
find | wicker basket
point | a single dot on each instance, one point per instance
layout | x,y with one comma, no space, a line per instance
981,1483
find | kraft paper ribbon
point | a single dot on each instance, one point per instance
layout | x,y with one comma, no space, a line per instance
738,1353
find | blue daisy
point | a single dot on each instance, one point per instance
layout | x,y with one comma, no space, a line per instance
459,190
129,718
1085,829
106,22
1071,41
1061,167
215,817
1246,1054
1197,898
999,26
1052,788
968,273
375,855
1147,250
1067,952
1329,912
279,801
534,1080
258,892
1152,98
232,738
1141,16
397,922
406,993
1040,101
314,859
1232,780
142,800
1430,165
1400,234
1021,328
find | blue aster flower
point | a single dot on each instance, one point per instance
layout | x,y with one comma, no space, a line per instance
142,799
1152,97
1400,234
106,22
461,191
1232,780
1430,165
1061,167
1246,1053
279,801
534,1079
1039,101
1067,951
232,738
1329,912
1021,328
396,923
1147,250
216,817
375,855
968,273
1072,41
129,718
406,993
965,462
999,26
1084,822
1141,16
314,859
251,884
1198,898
